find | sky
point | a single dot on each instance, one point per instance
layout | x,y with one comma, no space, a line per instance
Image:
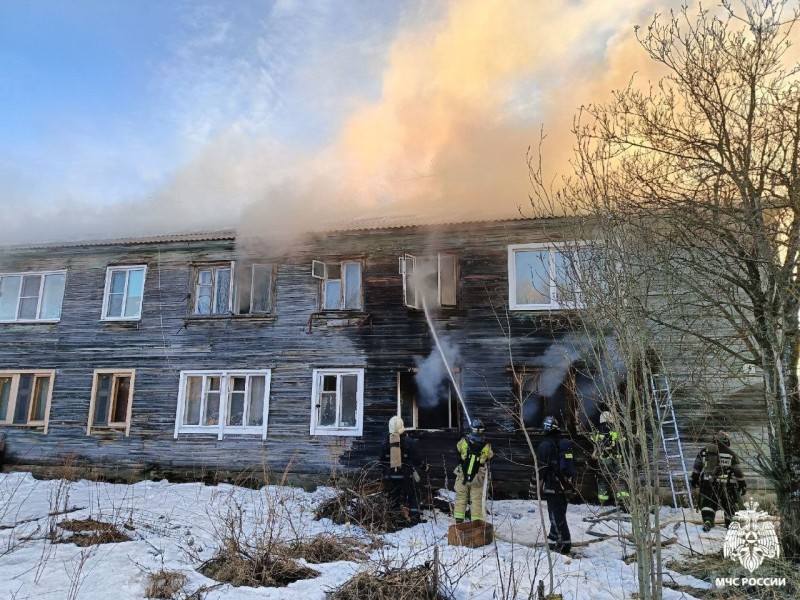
127,118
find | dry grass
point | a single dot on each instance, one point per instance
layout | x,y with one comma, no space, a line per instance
366,506
258,571
710,566
165,584
88,532
325,548
416,583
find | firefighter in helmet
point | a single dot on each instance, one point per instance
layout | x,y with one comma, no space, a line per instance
718,473
400,459
608,440
474,454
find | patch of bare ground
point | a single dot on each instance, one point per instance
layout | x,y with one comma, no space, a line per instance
415,583
88,532
709,567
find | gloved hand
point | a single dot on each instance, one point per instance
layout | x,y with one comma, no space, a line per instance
742,489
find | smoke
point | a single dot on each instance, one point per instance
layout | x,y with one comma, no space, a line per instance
431,377
465,90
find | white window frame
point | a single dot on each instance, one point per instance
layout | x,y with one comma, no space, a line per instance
8,418
221,429
552,249
453,419
408,265
251,267
107,292
38,318
316,390
320,270
112,425
214,267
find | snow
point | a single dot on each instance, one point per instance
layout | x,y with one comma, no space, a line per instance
176,527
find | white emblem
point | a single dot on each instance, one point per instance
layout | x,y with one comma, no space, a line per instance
751,542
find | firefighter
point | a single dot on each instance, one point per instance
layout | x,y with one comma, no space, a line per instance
474,454
554,483
400,460
608,442
718,474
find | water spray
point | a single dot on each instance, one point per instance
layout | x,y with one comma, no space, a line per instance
444,358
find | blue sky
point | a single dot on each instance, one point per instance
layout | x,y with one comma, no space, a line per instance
144,116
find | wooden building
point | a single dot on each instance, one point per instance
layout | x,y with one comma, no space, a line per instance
195,356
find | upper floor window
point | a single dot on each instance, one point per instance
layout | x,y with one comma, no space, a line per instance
340,285
233,288
33,296
25,397
223,403
112,399
124,291
544,276
434,278
425,404
337,402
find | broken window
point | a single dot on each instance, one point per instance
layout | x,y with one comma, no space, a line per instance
228,288
25,397
32,296
434,278
112,397
337,402
223,402
123,294
427,406
340,284
545,276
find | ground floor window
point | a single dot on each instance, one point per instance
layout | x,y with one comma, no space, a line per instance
25,398
426,406
223,402
112,400
337,402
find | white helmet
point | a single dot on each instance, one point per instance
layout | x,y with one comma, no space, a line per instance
396,425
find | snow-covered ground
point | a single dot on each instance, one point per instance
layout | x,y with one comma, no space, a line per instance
175,527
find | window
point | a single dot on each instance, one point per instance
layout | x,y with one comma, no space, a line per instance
560,391
436,279
223,403
337,402
340,285
112,399
427,406
25,397
226,288
34,296
543,277
122,299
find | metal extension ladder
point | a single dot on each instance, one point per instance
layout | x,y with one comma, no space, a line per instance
671,442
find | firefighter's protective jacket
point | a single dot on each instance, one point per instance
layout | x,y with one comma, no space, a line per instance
718,464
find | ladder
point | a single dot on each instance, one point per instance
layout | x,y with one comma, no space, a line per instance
671,442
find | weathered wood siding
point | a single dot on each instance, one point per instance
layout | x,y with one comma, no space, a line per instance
383,339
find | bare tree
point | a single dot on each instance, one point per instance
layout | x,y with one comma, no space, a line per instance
704,166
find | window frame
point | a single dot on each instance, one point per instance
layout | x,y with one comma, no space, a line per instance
410,260
237,290
234,290
316,389
320,270
214,267
107,292
452,400
552,249
40,298
8,419
125,426
221,429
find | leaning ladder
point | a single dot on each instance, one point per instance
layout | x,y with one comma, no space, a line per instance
671,442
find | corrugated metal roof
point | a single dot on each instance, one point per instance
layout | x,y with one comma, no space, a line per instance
227,234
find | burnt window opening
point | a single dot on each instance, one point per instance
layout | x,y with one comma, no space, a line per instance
242,288
438,408
571,397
